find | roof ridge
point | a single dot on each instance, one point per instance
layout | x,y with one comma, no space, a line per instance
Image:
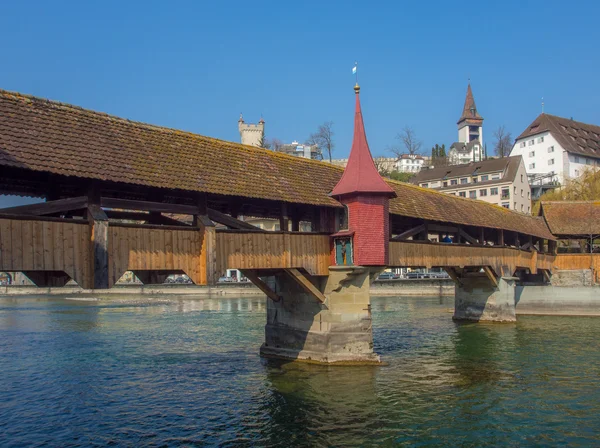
77,108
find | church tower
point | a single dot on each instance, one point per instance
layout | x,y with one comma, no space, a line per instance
470,123
251,134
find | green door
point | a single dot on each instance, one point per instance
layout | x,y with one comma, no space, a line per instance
343,251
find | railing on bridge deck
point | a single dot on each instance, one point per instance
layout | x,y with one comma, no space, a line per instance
46,245
570,262
427,254
240,249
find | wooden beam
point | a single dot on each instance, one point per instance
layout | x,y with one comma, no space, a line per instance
443,228
284,218
500,237
48,208
99,239
467,237
409,233
482,236
453,275
161,207
491,276
305,283
546,275
252,275
229,221
526,246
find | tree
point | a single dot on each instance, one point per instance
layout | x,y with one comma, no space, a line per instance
323,138
264,142
438,156
503,142
402,177
383,166
408,143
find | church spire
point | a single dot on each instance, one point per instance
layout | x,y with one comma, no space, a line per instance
361,175
469,109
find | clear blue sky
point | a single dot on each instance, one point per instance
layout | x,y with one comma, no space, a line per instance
196,65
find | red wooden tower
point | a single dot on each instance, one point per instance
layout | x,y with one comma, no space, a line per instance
366,195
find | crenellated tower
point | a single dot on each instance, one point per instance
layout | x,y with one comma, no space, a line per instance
251,134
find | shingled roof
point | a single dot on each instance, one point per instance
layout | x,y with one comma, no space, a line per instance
572,218
47,136
573,136
470,113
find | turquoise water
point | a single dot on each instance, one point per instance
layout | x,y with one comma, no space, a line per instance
169,372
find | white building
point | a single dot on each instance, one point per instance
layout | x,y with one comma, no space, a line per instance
410,163
469,147
556,149
500,181
301,150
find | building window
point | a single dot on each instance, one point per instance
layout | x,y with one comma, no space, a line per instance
445,184
464,180
506,205
532,166
424,185
454,182
576,173
531,142
551,162
576,159
496,177
475,180
551,149
473,194
462,194
528,195
515,207
483,192
522,208
531,153
521,178
494,191
528,209
588,161
541,140
522,193
515,190
485,178
505,193
522,145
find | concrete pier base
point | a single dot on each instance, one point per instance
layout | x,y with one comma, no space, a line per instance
478,299
337,331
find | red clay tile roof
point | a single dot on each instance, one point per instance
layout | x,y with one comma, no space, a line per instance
572,217
46,136
573,136
470,110
360,174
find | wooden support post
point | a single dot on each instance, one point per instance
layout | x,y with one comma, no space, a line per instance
459,238
501,237
482,236
252,275
391,227
491,276
98,222
552,246
424,234
305,283
284,218
208,252
453,275
295,223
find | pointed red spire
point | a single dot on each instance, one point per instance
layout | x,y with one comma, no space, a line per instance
470,109
361,175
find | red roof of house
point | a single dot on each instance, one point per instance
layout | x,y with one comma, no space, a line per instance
361,175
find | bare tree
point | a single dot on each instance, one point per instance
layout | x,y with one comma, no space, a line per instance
408,143
383,165
276,144
323,138
503,144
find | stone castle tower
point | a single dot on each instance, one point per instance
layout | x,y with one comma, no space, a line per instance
251,134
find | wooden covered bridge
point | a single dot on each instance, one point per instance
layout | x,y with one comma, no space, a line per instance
127,196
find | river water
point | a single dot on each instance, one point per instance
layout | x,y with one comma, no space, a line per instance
180,372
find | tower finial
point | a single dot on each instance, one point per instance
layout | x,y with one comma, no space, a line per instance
542,104
356,88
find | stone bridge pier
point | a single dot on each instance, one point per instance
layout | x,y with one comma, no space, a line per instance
477,298
337,330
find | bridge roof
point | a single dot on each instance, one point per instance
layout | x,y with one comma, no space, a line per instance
52,137
572,218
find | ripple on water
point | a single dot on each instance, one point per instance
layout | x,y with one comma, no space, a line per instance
180,372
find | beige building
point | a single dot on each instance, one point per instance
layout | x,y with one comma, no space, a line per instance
500,181
251,134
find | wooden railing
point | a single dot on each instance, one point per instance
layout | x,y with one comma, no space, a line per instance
39,244
239,249
156,248
570,262
425,254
